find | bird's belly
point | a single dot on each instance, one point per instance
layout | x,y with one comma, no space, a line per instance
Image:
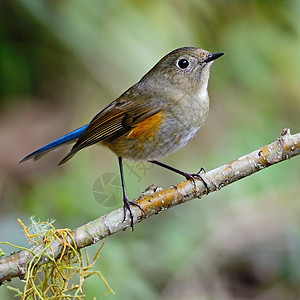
161,143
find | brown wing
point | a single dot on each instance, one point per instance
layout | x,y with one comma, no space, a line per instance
112,122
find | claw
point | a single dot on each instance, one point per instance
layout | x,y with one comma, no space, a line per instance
127,204
202,169
197,175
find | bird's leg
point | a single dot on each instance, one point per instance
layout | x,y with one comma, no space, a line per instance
126,200
188,176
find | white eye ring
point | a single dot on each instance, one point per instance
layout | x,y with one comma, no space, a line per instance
182,63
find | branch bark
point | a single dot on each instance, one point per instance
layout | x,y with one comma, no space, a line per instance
155,200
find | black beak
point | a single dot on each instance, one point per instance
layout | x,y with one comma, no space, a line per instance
214,56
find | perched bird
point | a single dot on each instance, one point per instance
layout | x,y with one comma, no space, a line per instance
152,119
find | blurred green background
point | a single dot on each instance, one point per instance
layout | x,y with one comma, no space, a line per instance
62,61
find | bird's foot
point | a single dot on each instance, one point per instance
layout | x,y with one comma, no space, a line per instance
127,204
192,176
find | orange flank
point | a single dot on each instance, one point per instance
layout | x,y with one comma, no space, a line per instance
147,127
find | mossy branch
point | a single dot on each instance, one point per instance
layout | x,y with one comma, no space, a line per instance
155,200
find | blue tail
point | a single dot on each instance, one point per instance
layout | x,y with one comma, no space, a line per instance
68,138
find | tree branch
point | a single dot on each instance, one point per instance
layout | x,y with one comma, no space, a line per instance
155,200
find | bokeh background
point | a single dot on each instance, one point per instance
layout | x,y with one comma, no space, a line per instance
62,61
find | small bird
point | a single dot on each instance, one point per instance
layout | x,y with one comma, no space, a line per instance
152,119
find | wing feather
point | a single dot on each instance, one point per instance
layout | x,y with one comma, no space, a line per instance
115,120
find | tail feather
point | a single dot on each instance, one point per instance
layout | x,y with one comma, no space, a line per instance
64,140
67,157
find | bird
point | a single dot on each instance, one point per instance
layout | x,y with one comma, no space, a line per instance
155,117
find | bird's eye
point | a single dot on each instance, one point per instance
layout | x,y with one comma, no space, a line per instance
183,63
